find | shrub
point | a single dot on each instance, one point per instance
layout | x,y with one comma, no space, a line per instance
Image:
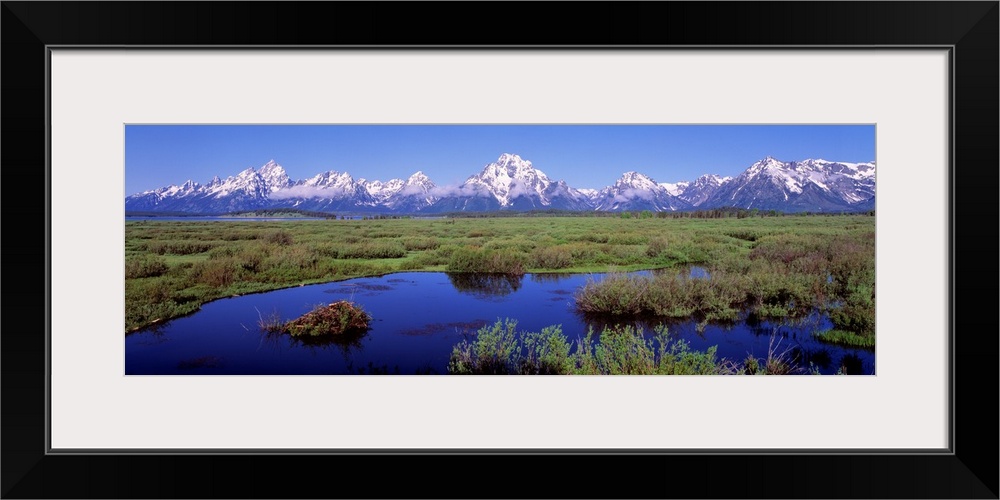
677,358
656,246
280,237
552,258
857,313
616,294
178,247
412,244
627,239
144,267
776,363
494,352
216,273
373,250
501,350
222,252
251,258
621,351
665,295
842,337
596,237
547,353
470,260
855,318
518,244
743,234
325,250
232,235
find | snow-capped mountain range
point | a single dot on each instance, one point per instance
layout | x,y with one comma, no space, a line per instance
512,183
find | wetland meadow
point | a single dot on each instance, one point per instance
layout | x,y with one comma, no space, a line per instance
720,292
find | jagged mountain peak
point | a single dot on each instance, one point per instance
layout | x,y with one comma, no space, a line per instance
512,183
328,178
510,166
713,178
381,191
271,167
507,159
769,162
811,184
418,177
636,180
637,191
509,178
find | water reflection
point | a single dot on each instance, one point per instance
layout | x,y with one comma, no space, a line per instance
767,326
821,358
689,272
600,322
152,335
372,369
547,278
435,328
418,318
200,363
851,364
485,285
366,289
344,341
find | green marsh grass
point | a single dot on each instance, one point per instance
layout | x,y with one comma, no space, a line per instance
850,339
775,265
500,349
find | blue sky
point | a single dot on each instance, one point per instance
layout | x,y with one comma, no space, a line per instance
585,156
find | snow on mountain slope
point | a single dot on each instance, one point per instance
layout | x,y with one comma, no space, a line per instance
635,191
513,183
808,185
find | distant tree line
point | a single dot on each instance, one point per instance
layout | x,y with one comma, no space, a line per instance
715,213
280,212
383,217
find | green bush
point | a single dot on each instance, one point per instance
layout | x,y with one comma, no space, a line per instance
144,267
412,244
776,362
280,237
501,350
373,250
471,260
552,258
496,351
842,337
178,247
656,246
215,273
615,294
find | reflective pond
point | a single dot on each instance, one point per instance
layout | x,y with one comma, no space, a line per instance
417,318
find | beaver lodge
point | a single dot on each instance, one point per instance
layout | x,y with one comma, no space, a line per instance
335,319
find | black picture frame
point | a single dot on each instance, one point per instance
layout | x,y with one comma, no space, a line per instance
969,470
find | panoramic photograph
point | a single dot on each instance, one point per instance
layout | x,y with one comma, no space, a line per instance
499,249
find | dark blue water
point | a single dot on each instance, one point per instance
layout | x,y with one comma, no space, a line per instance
419,317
